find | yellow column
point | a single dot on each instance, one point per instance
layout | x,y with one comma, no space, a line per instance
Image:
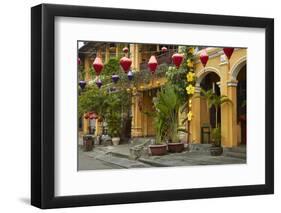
85,125
224,107
132,55
117,50
98,128
228,110
181,117
232,113
137,58
99,53
107,53
137,121
87,66
195,124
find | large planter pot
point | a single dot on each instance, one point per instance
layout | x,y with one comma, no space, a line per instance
88,143
159,149
115,141
216,150
175,147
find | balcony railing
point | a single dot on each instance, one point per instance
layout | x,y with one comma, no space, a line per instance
162,58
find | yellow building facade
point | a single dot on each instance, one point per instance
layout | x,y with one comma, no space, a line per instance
226,77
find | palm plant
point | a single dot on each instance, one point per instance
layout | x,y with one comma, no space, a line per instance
214,100
167,105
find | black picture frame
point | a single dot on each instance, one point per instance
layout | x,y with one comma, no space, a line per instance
43,102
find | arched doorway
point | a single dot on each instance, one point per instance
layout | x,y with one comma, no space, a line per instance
205,119
242,105
211,82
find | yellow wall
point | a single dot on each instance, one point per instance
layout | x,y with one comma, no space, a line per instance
217,63
227,71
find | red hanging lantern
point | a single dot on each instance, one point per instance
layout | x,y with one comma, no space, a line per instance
164,49
228,52
125,49
125,63
98,65
204,57
177,59
152,64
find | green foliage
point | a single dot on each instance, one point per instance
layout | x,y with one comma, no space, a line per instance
177,77
111,106
112,67
91,99
167,105
216,136
214,100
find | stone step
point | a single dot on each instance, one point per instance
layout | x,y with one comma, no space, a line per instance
241,155
236,149
122,162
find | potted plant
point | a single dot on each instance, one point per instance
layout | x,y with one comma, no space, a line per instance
172,104
166,119
160,146
214,100
216,148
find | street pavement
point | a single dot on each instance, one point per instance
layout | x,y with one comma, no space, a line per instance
116,157
85,162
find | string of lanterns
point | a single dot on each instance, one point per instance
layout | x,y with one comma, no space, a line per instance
126,63
204,57
177,59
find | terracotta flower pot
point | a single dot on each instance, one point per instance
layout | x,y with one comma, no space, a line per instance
175,147
159,149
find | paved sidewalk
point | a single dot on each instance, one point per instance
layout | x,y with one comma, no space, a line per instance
120,156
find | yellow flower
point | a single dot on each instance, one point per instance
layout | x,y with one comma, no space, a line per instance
190,76
190,89
189,63
190,103
191,50
189,116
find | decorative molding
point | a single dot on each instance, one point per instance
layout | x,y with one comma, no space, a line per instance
202,73
197,89
232,83
237,66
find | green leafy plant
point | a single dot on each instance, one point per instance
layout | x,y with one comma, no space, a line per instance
214,100
167,105
216,136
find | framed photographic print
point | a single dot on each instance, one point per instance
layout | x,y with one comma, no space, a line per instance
139,106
